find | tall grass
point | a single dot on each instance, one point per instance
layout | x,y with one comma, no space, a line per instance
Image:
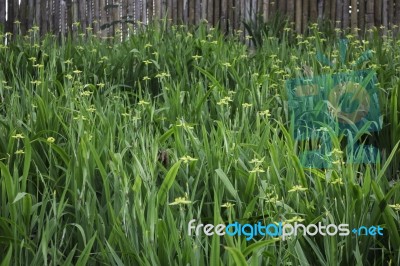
83,122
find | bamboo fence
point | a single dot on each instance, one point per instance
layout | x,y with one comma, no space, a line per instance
108,16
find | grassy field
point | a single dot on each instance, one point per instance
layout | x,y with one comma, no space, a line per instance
108,149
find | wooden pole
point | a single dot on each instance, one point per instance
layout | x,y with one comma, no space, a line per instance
369,16
299,7
290,10
306,14
313,10
346,14
378,13
361,15
2,12
354,18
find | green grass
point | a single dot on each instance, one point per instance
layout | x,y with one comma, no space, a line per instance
83,122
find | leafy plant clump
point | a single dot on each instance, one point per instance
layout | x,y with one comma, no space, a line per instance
108,149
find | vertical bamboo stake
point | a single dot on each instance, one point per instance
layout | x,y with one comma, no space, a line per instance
327,10
346,14
223,15
320,9
82,14
313,10
354,18
282,6
63,22
144,11
230,17
291,10
56,18
96,16
236,7
217,11
385,15
274,7
378,13
333,10
397,13
197,12
37,13
361,15
298,15
210,14
390,11
266,10
192,8
305,14
2,12
89,13
203,10
369,17
157,8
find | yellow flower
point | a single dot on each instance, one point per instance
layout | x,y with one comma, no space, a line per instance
86,93
227,64
51,139
180,200
257,169
395,206
142,102
76,71
19,152
184,125
91,109
257,161
247,105
18,136
101,85
338,181
146,78
265,113
196,57
297,188
227,205
296,219
187,159
148,45
147,62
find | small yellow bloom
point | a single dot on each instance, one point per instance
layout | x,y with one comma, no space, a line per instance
76,71
265,113
142,102
296,219
146,78
297,188
187,159
247,105
147,62
227,205
257,161
395,206
338,181
257,169
196,57
148,45
51,139
180,201
18,136
19,152
227,64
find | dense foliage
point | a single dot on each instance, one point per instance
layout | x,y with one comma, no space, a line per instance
108,149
